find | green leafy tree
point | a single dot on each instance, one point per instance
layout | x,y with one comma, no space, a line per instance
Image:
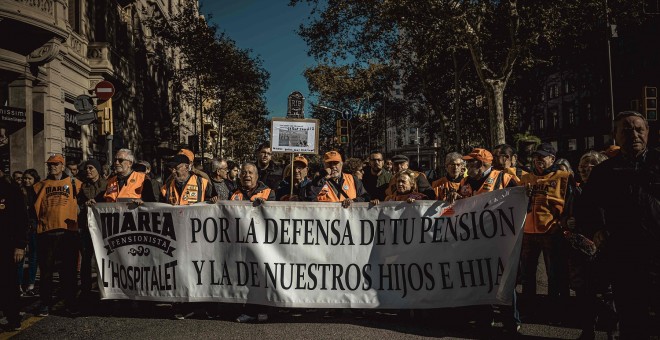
214,73
499,37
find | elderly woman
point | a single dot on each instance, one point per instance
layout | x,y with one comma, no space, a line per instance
587,162
564,164
585,278
406,188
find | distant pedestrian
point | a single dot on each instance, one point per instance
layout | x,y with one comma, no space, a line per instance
30,177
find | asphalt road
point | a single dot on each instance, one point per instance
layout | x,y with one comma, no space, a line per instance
109,320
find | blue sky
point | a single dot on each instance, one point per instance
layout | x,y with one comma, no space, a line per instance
267,27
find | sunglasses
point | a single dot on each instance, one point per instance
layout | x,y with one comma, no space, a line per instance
120,160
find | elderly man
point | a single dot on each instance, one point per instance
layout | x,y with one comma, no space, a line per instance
126,184
505,159
622,208
269,172
220,179
251,188
300,180
482,178
401,162
376,178
455,166
191,160
332,185
56,206
549,188
185,187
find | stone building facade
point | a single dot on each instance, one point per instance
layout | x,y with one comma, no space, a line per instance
55,50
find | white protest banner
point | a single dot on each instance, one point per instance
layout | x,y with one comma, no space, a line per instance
303,254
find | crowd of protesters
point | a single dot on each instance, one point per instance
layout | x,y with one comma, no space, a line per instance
611,206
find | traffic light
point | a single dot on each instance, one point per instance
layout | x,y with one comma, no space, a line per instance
104,112
651,103
342,131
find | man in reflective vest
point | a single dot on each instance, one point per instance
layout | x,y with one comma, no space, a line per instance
56,206
455,166
126,184
251,188
481,176
331,185
185,187
549,188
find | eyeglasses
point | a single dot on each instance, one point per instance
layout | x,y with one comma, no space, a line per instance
454,164
120,160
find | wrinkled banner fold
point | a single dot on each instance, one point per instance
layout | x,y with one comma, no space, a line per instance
427,254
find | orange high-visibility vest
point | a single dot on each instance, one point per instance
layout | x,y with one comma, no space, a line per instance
547,201
465,189
512,171
56,204
132,189
263,194
327,193
413,195
443,186
193,191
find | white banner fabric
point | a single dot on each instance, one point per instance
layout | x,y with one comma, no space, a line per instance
316,255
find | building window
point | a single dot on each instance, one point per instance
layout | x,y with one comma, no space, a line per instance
568,88
541,124
74,15
554,91
555,119
570,115
588,113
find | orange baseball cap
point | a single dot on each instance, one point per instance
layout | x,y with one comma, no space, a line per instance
56,158
480,154
187,153
331,156
300,159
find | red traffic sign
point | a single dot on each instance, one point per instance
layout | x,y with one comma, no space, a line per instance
104,90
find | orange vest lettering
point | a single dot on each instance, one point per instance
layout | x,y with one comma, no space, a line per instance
192,193
56,204
547,201
327,193
132,188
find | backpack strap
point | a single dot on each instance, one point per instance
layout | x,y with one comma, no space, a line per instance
199,189
498,181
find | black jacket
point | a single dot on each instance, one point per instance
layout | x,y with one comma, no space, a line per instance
622,197
14,217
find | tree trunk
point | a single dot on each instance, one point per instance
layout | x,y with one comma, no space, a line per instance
495,94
